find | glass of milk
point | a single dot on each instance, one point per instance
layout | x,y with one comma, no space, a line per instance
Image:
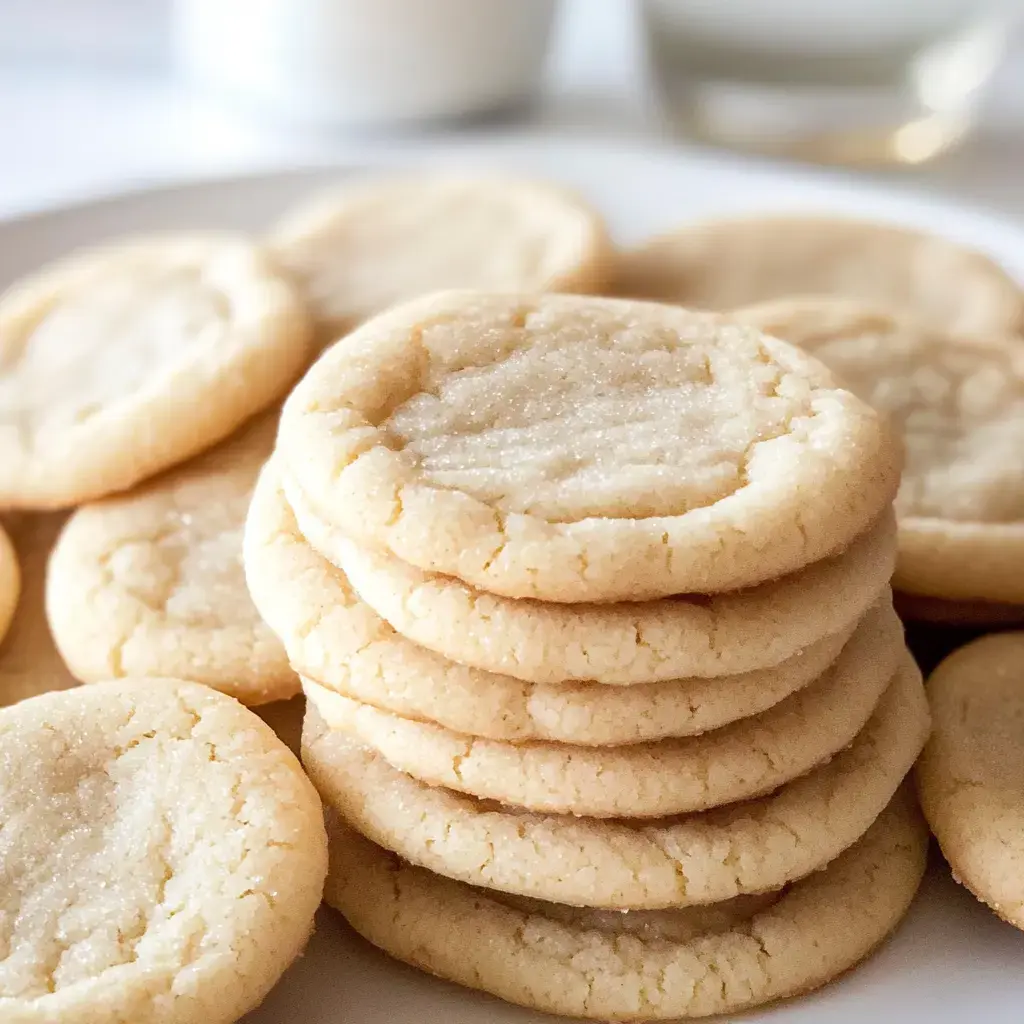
843,81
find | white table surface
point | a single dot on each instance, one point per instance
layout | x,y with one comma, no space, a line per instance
89,103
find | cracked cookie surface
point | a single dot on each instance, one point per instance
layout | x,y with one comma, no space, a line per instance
742,760
700,858
336,639
960,408
622,643
572,963
729,263
971,774
161,857
152,584
121,361
571,449
363,247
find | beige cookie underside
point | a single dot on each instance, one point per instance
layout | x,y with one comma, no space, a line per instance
700,858
971,774
577,964
750,757
10,581
163,856
124,360
568,448
728,263
360,248
618,644
152,584
337,640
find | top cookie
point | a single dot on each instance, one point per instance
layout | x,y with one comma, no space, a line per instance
580,449
727,263
960,407
122,361
364,247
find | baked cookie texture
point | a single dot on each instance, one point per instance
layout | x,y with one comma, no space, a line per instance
163,856
122,361
465,433
724,264
360,248
971,774
151,583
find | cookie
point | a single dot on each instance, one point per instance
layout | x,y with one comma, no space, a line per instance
960,407
971,774
359,249
10,582
700,858
574,449
646,780
122,361
642,966
623,643
336,639
728,263
29,661
915,608
163,856
151,583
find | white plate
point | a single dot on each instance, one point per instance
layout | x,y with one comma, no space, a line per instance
951,961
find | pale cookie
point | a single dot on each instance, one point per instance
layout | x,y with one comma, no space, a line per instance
29,661
570,449
336,639
971,774
624,643
700,858
151,583
361,248
646,966
122,361
728,263
162,856
915,608
10,582
960,407
647,780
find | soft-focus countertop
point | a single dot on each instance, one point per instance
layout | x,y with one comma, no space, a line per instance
89,103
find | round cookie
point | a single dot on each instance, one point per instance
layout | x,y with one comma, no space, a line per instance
163,856
700,858
10,582
151,583
727,263
29,661
336,639
971,774
960,407
124,360
359,249
648,780
570,449
650,966
623,643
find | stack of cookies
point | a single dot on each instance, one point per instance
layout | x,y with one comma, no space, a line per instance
590,598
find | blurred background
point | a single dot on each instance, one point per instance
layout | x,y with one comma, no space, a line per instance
101,94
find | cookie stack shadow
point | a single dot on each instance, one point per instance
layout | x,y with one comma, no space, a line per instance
505,776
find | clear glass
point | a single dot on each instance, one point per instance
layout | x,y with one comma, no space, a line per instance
837,81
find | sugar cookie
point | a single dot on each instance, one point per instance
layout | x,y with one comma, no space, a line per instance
365,246
339,641
122,361
698,858
644,967
971,774
162,856
727,263
573,449
151,583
